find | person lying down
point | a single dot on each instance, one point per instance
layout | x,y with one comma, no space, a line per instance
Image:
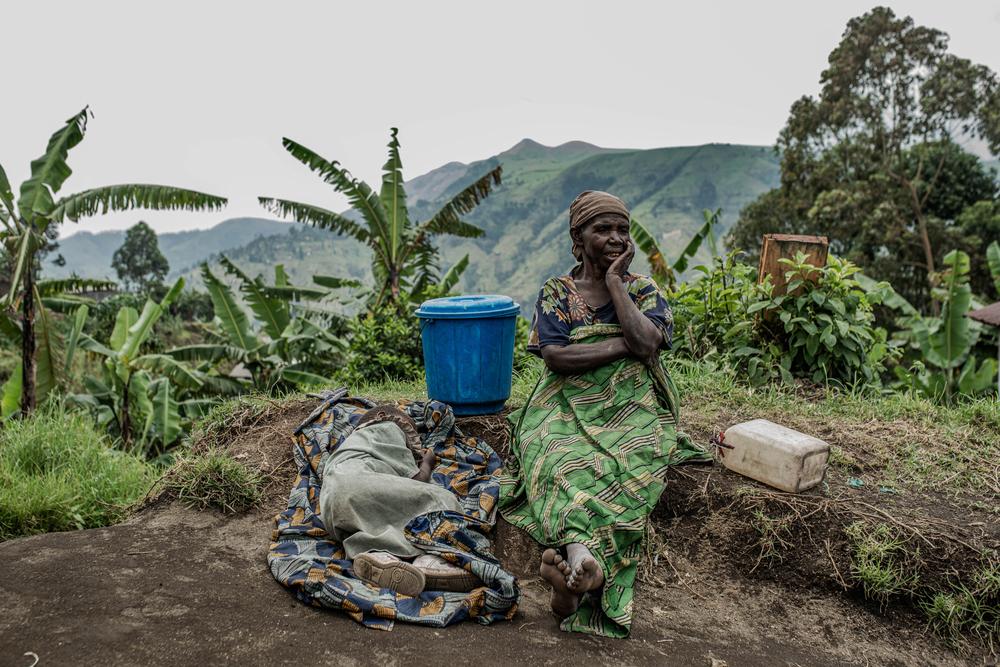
372,487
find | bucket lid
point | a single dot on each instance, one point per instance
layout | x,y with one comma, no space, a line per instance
471,305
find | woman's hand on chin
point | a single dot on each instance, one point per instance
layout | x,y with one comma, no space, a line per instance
619,267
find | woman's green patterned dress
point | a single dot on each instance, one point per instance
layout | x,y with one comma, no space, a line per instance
590,451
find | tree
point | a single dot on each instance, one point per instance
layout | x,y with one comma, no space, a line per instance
873,162
26,224
139,262
405,260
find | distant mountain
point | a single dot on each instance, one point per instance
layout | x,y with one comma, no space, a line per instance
525,220
89,255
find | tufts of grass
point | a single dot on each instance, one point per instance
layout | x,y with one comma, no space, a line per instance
971,607
771,533
58,472
214,479
387,391
945,615
881,562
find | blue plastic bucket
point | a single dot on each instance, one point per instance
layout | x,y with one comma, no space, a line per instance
469,351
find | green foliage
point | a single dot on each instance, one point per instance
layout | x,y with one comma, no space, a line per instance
711,313
55,347
214,479
146,400
37,215
872,162
139,262
828,330
297,345
969,607
385,344
404,260
822,329
666,274
943,363
57,472
993,260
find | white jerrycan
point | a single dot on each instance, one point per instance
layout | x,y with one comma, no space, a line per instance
775,455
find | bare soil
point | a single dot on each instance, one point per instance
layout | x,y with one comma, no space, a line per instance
172,586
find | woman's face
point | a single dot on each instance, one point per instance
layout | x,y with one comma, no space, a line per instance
604,239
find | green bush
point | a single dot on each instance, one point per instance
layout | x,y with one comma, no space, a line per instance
57,472
828,330
385,345
823,329
711,313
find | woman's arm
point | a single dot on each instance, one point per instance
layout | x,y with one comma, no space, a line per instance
581,357
642,337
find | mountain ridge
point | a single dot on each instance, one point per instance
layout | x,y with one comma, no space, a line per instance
524,220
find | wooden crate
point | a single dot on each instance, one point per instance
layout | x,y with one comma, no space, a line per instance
785,246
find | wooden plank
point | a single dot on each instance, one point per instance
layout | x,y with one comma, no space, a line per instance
786,246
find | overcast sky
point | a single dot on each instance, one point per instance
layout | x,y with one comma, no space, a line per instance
199,94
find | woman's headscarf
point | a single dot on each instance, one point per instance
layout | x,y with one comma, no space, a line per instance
589,204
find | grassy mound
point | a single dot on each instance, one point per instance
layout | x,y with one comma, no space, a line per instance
58,472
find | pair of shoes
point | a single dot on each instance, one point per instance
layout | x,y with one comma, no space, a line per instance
440,575
387,571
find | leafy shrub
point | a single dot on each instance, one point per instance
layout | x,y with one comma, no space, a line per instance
821,329
829,329
385,345
57,472
711,313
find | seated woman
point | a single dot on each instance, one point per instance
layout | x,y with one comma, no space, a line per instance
591,447
372,487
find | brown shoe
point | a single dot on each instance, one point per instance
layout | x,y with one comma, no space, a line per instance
388,571
440,575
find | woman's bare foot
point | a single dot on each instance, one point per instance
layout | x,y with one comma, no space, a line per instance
585,572
555,570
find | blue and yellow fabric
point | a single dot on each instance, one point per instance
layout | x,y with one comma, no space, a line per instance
306,559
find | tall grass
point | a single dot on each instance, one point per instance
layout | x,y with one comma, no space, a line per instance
58,472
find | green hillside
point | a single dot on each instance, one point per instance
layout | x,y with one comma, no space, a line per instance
525,219
89,255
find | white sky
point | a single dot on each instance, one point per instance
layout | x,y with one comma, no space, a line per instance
199,94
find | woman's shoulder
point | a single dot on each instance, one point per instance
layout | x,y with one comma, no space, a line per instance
556,287
640,284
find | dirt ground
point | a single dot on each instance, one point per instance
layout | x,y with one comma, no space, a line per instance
172,586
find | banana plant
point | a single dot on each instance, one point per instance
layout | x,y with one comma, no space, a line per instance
664,272
288,346
26,226
141,397
55,346
946,364
993,260
403,255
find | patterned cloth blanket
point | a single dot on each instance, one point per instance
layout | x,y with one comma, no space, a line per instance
307,560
